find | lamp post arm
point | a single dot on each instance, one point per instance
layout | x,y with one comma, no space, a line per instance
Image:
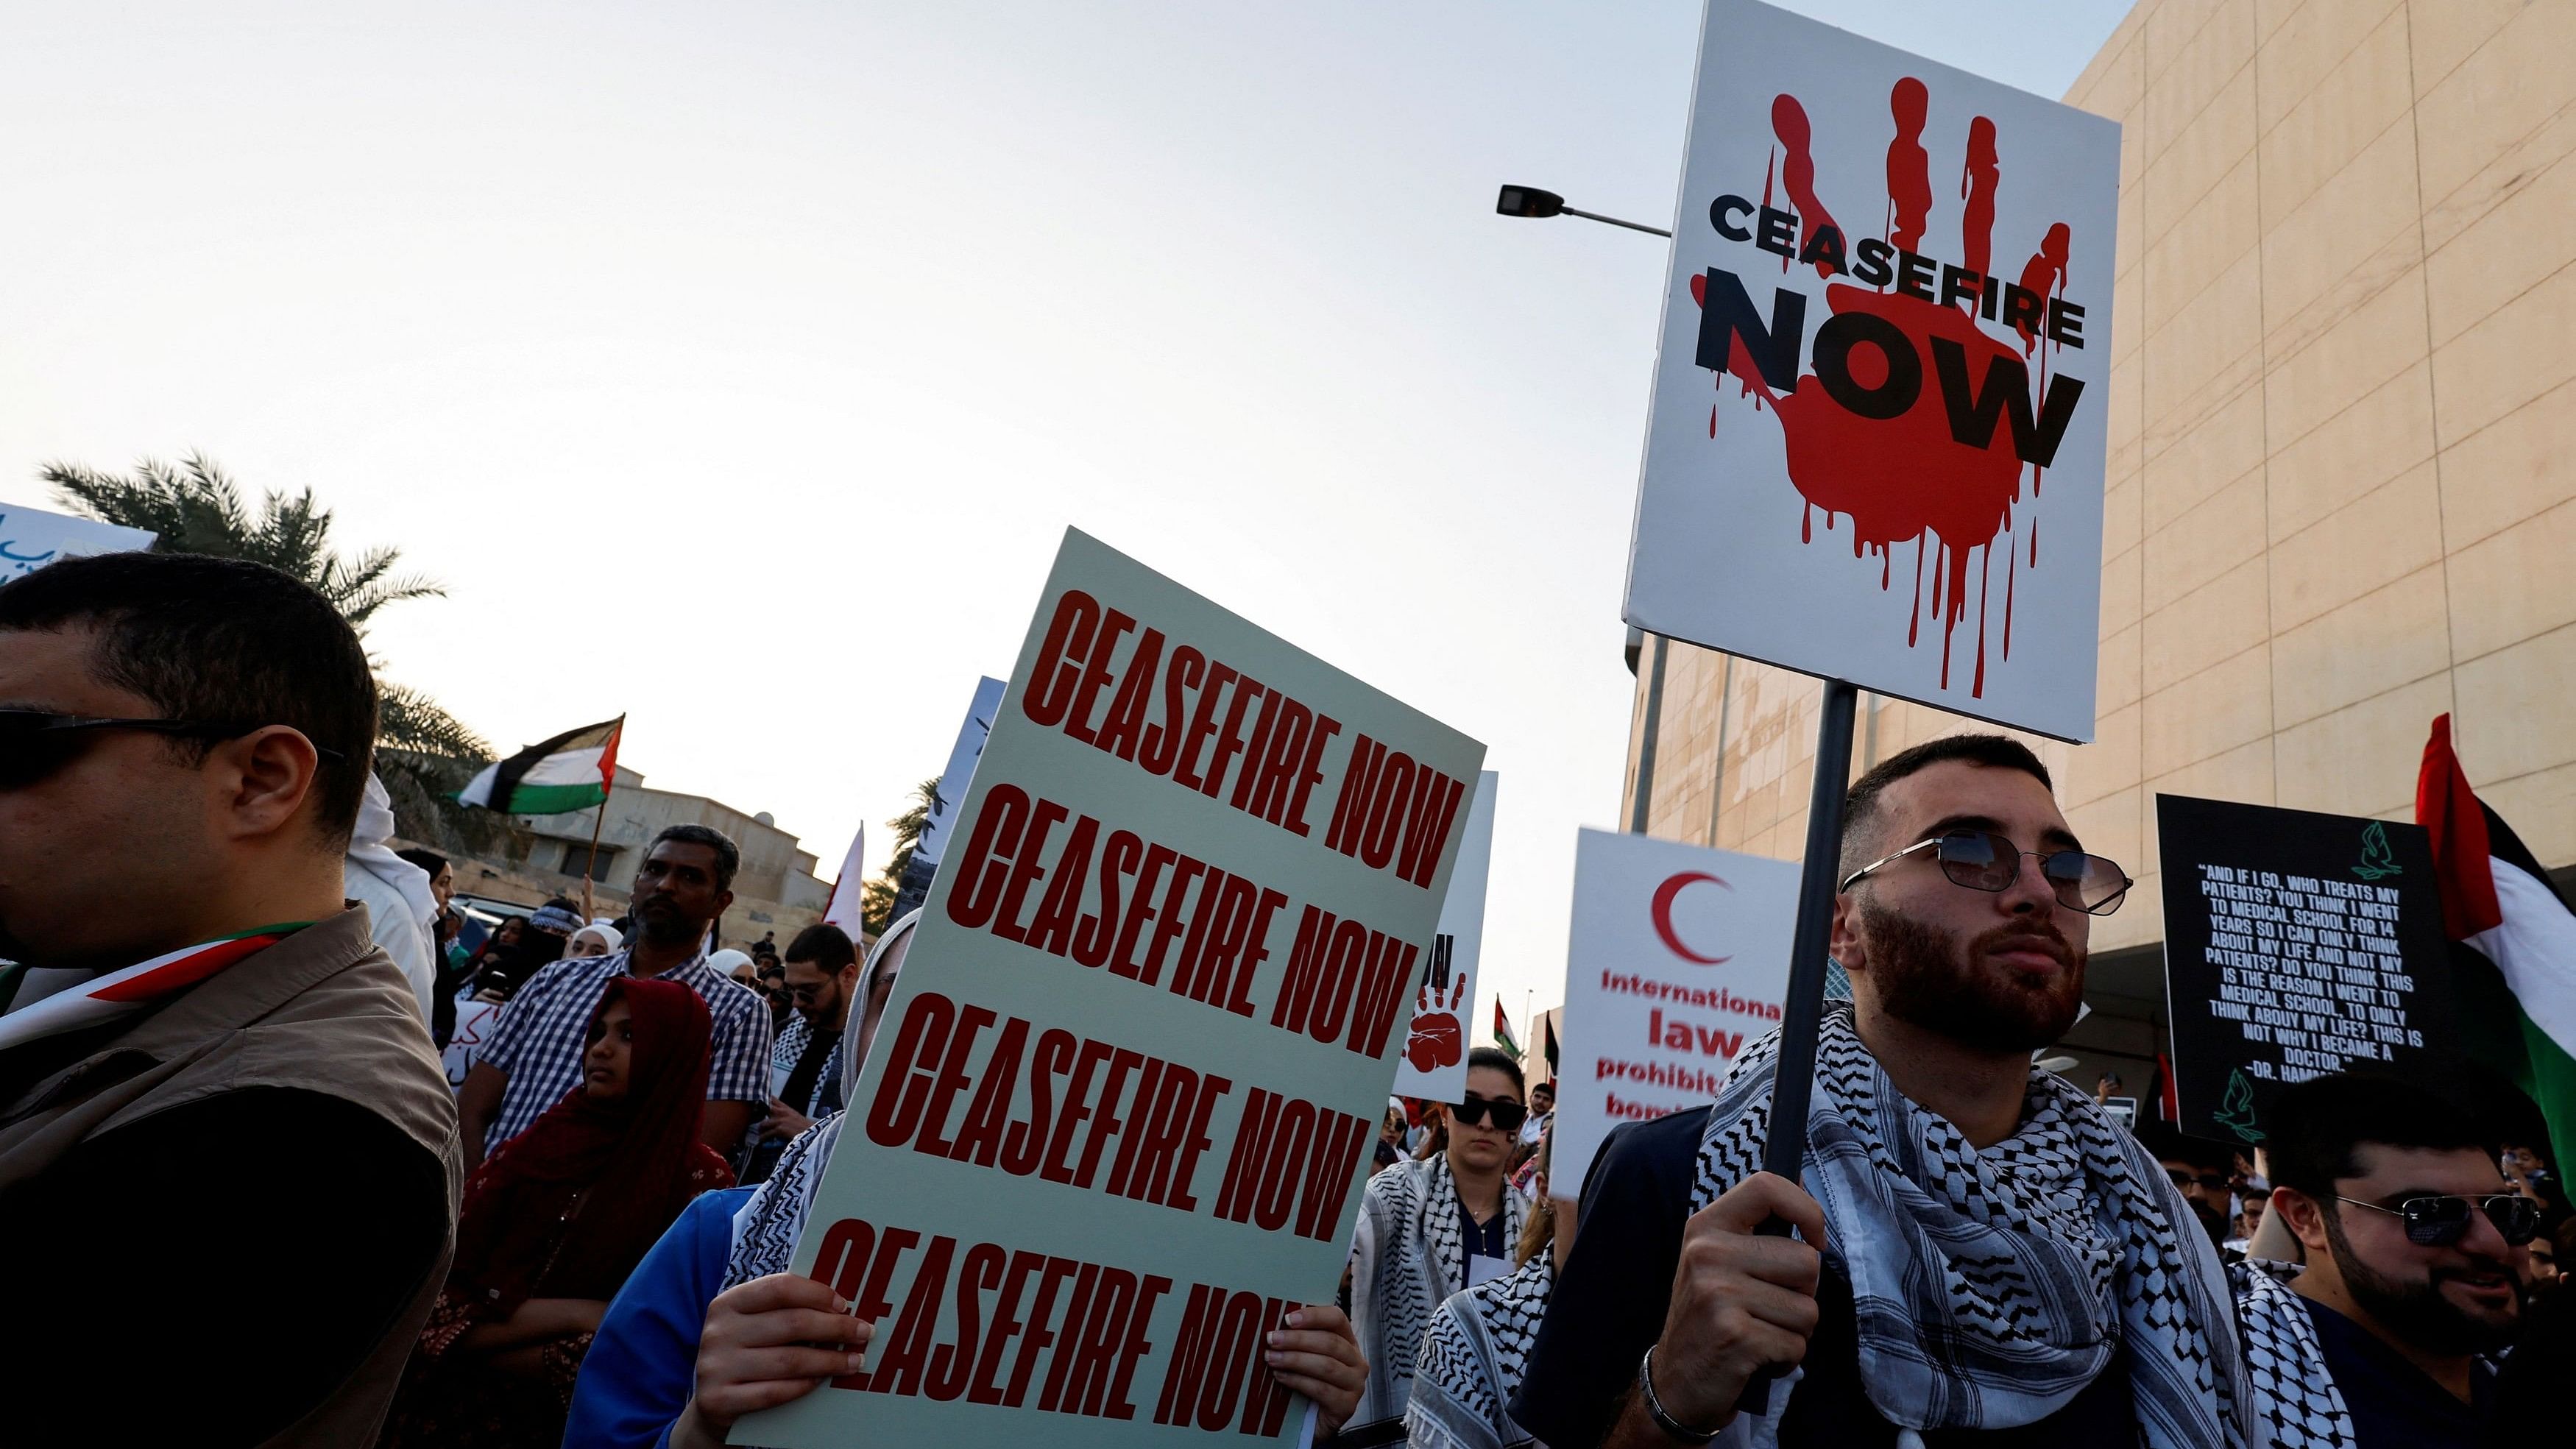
1614,221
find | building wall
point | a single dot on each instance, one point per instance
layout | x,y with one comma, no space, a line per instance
775,888
2342,486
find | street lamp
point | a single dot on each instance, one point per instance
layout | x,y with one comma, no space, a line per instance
1530,201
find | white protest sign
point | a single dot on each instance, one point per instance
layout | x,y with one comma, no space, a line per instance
31,538
954,781
1113,1127
1435,1043
1868,379
1679,956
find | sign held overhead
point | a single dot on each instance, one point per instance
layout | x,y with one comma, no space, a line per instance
1875,393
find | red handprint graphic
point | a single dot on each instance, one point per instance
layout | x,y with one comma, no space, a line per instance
1437,1040
1900,436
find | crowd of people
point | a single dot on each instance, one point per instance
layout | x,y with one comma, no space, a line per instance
224,1110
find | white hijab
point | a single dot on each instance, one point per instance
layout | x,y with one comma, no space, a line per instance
766,1228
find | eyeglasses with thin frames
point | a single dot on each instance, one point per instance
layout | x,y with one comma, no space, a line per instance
1984,861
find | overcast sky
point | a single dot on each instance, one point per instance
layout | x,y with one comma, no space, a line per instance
738,367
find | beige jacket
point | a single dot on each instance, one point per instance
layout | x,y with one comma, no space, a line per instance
324,1011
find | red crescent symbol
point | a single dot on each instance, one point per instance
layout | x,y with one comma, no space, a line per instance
1664,895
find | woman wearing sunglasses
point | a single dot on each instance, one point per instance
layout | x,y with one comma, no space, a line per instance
1430,1228
2415,1250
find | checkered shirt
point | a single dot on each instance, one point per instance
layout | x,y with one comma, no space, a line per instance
540,1039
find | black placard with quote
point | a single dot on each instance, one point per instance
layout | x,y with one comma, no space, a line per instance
2296,944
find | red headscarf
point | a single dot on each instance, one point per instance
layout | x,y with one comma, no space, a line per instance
632,1163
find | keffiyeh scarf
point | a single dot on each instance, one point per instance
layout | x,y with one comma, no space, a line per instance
1406,1261
1991,1286
765,1228
1472,1359
2296,1403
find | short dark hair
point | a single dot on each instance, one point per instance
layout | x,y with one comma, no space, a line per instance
728,854
2315,1126
2168,1144
428,860
1860,803
1501,1061
223,641
824,944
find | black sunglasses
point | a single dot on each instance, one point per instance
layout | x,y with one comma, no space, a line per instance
1982,860
2213,1181
1506,1116
34,744
2438,1222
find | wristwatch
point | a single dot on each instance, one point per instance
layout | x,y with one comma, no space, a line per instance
1655,1406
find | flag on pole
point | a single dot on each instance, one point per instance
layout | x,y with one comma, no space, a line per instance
1550,1048
847,908
2515,964
572,771
1503,1033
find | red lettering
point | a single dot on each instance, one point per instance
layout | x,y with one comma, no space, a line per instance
1095,675
1163,741
898,1371
1127,711
1185,770
1025,869
952,1364
896,1108
1068,635
1003,814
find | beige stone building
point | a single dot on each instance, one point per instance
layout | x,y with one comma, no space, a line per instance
2342,486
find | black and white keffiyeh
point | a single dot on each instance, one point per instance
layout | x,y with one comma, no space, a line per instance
2296,1403
765,1229
1406,1259
1991,1286
1472,1358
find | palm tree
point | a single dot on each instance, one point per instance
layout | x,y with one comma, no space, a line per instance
876,900
423,754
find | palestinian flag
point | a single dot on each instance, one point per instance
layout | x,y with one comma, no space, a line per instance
572,771
1503,1033
2515,953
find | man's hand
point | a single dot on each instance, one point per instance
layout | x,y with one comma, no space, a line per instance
767,1342
1741,1304
783,1122
1318,1355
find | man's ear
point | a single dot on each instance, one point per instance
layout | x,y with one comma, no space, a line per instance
2304,1215
1847,948
262,780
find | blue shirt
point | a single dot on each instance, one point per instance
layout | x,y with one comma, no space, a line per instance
641,1367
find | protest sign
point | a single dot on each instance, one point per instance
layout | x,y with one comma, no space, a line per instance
954,781
1435,1042
2296,944
31,538
1678,956
1866,378
1113,1127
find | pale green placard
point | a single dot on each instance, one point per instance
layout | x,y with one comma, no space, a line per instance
900,1187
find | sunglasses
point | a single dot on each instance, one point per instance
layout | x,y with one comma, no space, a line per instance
34,744
1506,1116
1984,861
2214,1182
2438,1222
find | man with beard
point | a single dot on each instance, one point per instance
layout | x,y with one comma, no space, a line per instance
822,972
535,1053
2414,1247
2198,1170
1987,1259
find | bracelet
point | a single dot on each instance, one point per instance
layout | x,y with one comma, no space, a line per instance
1655,1406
